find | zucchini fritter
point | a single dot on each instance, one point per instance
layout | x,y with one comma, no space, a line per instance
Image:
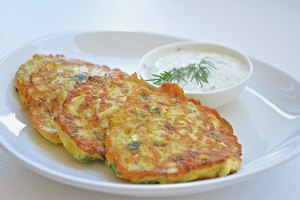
82,120
22,77
164,136
48,89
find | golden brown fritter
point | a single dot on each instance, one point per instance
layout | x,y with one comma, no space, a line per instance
48,89
82,120
164,136
22,76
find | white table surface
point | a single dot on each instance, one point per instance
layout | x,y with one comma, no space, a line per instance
268,31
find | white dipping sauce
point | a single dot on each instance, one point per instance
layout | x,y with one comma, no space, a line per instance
228,70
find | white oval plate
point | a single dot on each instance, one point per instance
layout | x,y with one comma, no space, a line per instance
265,116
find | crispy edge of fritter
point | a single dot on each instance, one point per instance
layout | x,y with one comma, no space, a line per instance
34,65
65,130
223,165
48,74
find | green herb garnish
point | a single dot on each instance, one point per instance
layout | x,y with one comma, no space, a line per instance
145,95
198,72
156,110
87,158
169,76
141,115
147,182
98,135
29,64
216,135
103,158
133,145
78,78
114,168
175,99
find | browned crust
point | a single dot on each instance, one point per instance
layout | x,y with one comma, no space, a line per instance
44,103
187,160
22,76
92,144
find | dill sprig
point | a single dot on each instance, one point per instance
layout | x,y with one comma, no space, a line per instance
198,72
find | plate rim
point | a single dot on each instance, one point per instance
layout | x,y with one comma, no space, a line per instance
109,187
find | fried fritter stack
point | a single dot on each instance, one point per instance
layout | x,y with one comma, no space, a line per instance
48,80
144,136
22,77
82,121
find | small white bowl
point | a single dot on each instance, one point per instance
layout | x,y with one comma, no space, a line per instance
212,99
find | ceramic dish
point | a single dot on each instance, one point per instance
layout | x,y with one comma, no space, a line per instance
212,99
265,116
